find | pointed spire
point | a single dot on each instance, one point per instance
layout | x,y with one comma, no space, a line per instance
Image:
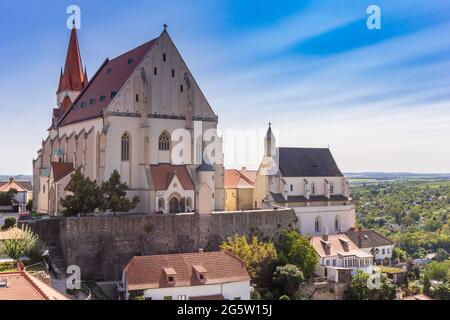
269,134
73,78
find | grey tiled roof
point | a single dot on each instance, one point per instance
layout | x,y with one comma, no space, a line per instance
307,162
368,238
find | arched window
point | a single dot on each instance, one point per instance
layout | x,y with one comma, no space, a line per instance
189,203
164,141
331,188
43,188
126,147
313,188
337,224
161,204
317,225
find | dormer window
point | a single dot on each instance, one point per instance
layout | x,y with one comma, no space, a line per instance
170,275
201,273
130,61
113,94
83,105
102,98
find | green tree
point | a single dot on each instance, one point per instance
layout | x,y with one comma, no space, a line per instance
85,196
441,255
257,256
295,249
114,192
358,289
8,198
426,283
289,277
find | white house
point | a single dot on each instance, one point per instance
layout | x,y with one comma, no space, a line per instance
372,242
142,114
188,276
340,258
24,192
309,181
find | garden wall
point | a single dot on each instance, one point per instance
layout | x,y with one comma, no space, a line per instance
102,245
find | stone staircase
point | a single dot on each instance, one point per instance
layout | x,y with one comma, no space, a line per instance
57,261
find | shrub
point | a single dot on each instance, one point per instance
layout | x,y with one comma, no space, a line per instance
9,223
255,295
26,245
285,298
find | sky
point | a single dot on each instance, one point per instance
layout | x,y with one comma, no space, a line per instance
380,99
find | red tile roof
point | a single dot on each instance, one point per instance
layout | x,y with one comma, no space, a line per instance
74,78
239,178
13,184
148,272
163,174
110,78
61,169
336,245
23,286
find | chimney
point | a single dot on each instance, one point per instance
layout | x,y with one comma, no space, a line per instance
325,233
200,250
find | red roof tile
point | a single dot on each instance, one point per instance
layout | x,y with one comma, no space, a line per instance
61,169
148,272
239,178
110,78
13,184
163,174
23,286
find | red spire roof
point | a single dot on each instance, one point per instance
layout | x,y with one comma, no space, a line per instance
73,78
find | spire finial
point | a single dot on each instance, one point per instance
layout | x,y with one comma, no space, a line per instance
270,124
165,26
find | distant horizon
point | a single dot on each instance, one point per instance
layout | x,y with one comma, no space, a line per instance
7,176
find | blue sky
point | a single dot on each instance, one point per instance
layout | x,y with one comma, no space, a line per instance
379,98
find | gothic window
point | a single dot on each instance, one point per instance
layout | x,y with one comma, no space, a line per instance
331,188
313,189
161,204
337,224
125,147
317,225
164,141
292,187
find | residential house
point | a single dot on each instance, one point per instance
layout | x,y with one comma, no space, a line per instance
339,258
372,242
24,192
239,189
188,276
307,180
21,285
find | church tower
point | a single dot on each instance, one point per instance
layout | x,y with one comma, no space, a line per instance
73,78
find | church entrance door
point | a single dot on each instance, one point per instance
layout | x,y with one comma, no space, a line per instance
173,205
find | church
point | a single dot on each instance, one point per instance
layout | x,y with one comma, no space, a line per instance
142,114
309,181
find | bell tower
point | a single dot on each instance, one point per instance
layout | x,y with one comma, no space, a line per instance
73,78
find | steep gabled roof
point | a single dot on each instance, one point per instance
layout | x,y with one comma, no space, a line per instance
61,169
13,184
307,162
163,174
106,82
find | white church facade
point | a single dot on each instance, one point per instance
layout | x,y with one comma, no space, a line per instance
309,181
136,112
